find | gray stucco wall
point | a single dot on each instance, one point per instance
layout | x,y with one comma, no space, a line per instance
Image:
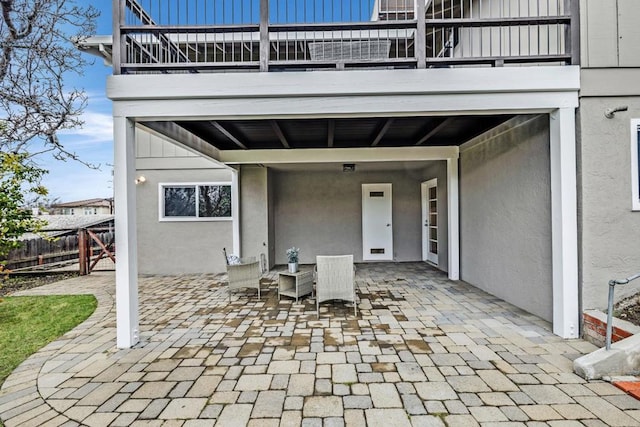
254,211
179,247
505,216
610,238
321,212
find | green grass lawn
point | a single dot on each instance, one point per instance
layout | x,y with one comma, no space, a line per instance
29,323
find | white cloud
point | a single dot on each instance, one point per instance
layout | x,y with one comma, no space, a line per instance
98,127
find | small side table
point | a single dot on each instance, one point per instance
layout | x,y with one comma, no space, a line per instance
295,285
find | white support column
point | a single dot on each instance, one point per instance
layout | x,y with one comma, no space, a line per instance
127,328
453,205
564,222
235,210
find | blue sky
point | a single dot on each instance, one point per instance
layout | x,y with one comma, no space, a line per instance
71,180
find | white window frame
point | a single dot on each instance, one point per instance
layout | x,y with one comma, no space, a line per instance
163,185
635,165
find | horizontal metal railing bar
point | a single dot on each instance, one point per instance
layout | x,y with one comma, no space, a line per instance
505,59
189,29
497,22
244,38
347,64
348,26
190,66
492,60
275,63
343,26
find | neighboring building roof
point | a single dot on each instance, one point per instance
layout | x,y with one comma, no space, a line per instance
67,222
85,203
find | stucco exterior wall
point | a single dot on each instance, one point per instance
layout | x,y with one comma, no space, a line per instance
610,229
610,240
505,216
254,211
179,247
170,247
321,213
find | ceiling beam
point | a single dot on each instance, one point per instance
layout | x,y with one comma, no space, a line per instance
382,132
435,130
228,134
279,133
339,155
331,132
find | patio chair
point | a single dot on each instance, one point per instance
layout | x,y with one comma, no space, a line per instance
335,280
242,272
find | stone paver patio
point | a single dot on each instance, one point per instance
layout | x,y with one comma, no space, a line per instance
423,351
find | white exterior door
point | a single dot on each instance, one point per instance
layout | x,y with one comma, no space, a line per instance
430,221
377,226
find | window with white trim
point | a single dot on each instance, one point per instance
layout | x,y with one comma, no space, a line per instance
200,201
635,164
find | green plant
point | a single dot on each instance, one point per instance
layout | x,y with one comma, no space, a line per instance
19,177
292,254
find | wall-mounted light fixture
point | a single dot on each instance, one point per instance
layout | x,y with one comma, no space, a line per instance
609,113
141,180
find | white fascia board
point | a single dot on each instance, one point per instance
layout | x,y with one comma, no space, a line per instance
339,155
346,83
388,105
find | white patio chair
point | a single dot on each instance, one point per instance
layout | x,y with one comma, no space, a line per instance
245,273
335,280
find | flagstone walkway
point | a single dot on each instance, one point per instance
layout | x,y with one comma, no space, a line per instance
423,351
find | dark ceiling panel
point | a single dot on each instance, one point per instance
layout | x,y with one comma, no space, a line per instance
305,133
352,132
357,132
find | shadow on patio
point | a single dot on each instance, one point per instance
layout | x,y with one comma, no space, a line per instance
422,351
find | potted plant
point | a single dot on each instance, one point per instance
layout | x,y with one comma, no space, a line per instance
292,258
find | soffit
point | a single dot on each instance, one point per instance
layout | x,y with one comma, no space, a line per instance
340,133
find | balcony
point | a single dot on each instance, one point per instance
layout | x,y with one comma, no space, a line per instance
195,36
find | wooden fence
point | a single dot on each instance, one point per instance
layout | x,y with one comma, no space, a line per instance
81,250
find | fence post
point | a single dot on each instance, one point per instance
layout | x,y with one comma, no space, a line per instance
82,251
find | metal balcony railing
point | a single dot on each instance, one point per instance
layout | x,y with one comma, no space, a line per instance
168,36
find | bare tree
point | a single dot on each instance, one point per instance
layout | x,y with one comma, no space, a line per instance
37,55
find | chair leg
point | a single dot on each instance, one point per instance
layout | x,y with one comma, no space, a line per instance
355,304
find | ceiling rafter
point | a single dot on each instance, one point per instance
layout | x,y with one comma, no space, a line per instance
331,132
382,132
443,123
228,134
278,130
